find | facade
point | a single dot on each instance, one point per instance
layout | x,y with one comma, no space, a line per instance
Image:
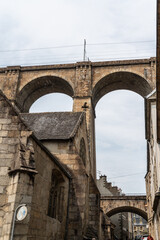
25,180
123,220
153,148
153,168
61,196
28,173
124,225
64,134
48,160
140,225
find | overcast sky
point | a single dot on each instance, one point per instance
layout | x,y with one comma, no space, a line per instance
52,31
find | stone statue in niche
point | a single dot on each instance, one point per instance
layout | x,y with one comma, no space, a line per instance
26,152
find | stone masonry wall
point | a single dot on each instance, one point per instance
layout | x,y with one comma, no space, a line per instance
94,206
21,190
79,190
9,133
69,154
20,151
42,226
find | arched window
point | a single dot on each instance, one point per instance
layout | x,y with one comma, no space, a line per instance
83,151
56,196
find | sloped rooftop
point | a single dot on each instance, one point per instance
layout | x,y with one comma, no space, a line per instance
55,125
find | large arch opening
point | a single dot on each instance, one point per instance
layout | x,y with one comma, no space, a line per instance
121,80
131,209
120,140
52,102
129,225
39,87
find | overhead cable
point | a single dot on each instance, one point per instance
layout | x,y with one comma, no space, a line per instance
78,45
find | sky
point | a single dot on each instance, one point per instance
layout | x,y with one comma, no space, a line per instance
36,32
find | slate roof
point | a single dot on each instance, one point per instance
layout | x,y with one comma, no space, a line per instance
57,125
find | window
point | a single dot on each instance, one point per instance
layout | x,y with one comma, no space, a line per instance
52,197
56,196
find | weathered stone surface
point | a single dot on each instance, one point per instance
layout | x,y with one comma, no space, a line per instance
27,166
110,204
17,179
58,125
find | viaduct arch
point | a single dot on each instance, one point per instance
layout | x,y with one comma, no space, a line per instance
121,80
115,204
40,86
86,82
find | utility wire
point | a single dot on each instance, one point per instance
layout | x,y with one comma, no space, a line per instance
112,43
92,53
45,48
78,55
78,45
134,174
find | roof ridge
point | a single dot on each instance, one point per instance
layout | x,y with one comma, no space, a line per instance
45,112
34,113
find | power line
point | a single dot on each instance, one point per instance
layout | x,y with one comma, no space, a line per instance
93,53
78,45
45,48
134,174
111,43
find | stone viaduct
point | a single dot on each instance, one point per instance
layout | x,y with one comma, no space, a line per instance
86,83
115,204
81,80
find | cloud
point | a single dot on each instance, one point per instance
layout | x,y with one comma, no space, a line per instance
52,103
120,115
121,146
39,23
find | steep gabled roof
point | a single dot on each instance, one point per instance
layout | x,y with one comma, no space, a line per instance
53,126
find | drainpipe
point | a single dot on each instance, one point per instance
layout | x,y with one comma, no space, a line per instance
67,218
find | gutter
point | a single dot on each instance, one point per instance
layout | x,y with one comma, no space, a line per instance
67,217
